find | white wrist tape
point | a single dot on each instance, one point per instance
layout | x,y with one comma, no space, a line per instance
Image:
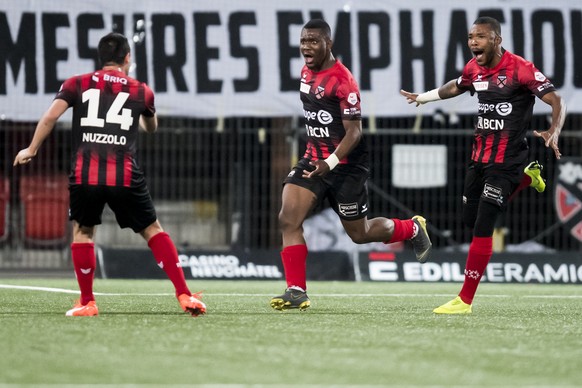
429,96
332,161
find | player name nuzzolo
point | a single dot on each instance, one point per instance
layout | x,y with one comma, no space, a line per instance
103,138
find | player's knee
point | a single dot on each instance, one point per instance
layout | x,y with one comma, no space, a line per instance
469,219
470,209
358,237
287,223
486,219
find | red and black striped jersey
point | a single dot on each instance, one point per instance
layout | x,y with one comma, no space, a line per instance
506,98
106,109
330,96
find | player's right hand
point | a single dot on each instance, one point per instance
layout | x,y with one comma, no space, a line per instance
24,156
550,140
321,168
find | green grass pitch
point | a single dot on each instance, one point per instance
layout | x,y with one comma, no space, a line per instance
354,334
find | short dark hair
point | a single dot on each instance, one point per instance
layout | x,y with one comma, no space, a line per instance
492,22
319,24
113,48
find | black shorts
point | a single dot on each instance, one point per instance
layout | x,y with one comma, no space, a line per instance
345,187
490,182
133,206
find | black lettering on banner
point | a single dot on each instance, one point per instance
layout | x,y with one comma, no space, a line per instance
494,13
237,50
85,23
287,51
140,53
342,39
118,24
367,62
576,26
52,54
205,53
458,39
555,20
424,52
517,32
19,52
163,61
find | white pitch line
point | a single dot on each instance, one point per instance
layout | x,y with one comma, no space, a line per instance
67,291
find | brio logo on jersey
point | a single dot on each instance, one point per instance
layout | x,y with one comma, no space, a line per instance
490,124
114,79
103,138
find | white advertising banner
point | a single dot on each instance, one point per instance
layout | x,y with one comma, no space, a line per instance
241,58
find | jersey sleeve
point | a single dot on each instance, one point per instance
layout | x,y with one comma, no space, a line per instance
349,99
150,108
535,80
464,82
68,91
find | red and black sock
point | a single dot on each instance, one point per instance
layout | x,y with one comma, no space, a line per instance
525,182
403,230
84,263
480,252
166,256
294,259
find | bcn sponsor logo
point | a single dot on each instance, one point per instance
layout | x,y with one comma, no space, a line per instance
490,124
316,131
226,266
494,273
102,138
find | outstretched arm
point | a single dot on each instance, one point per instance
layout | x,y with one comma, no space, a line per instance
558,116
448,90
43,130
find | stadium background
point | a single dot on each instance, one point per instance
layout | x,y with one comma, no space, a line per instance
225,78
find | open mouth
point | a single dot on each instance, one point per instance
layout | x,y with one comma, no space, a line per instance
478,54
308,58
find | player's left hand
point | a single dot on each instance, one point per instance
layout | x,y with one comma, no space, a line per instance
321,168
410,97
24,156
550,140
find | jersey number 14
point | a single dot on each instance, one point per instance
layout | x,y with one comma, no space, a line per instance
116,114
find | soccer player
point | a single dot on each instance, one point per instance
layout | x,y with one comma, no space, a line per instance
108,109
334,166
506,86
